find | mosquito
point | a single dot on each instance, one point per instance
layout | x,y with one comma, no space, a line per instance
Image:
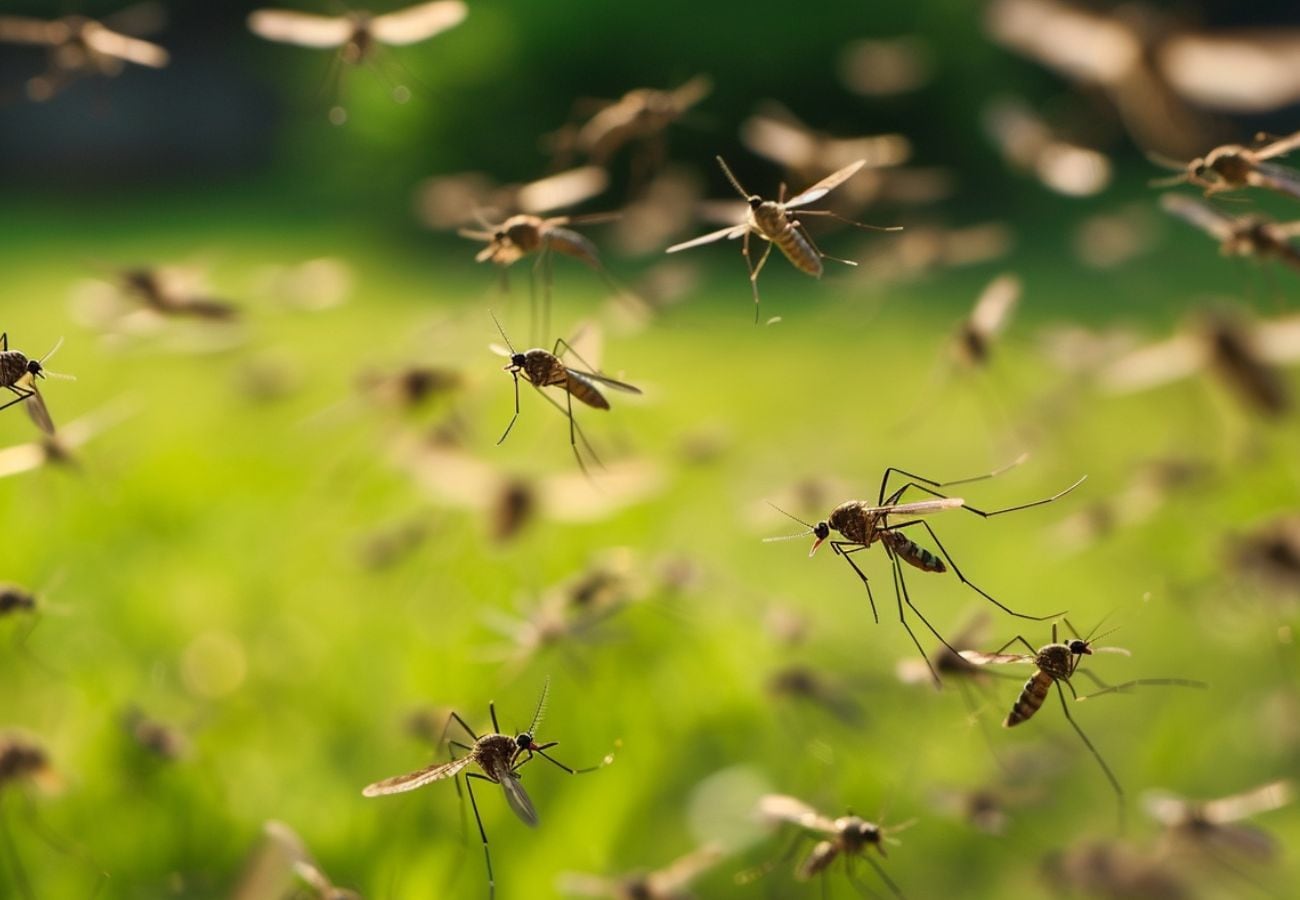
358,35
669,883
78,46
162,291
56,447
21,759
1056,664
973,343
776,222
1241,235
280,865
499,758
149,734
862,524
849,837
18,375
1211,824
1270,553
1232,167
544,369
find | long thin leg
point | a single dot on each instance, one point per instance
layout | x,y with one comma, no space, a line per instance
1032,649
818,250
983,513
22,393
966,581
487,855
455,717
492,711
1110,776
900,585
555,761
838,547
880,870
863,225
894,470
562,347
1129,685
574,428
4,341
899,593
753,274
516,415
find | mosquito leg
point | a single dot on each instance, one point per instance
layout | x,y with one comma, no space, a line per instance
753,274
492,711
22,393
818,250
563,347
455,717
1019,638
1110,776
901,584
487,855
574,428
900,591
1128,685
4,341
838,547
889,882
516,415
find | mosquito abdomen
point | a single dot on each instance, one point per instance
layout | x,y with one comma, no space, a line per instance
1030,700
584,391
913,553
773,222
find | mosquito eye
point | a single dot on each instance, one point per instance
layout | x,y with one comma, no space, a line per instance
524,741
822,531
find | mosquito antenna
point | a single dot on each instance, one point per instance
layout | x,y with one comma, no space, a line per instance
1089,639
541,706
732,178
53,350
502,330
788,537
789,515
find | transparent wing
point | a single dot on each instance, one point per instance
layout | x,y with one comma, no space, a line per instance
1278,340
826,185
26,30
419,22
784,808
984,659
780,141
584,885
1249,803
450,476
22,458
1198,214
302,29
692,92
1079,44
672,880
412,780
994,307
1275,177
35,406
267,873
517,797
1147,367
562,189
1239,72
604,380
1167,808
142,53
731,232
919,508
575,498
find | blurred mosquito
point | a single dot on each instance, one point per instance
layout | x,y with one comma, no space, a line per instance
808,685
1210,825
977,333
78,47
1270,553
849,837
545,369
776,222
498,757
862,524
359,36
1115,869
1240,235
165,292
672,882
149,734
18,375
57,447
281,866
1232,167
410,387
1056,664
21,760
463,198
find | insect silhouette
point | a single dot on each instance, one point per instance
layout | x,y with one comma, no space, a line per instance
281,866
776,222
862,524
1211,825
1232,167
498,757
1027,143
672,882
162,291
541,368
1240,235
849,837
79,47
359,35
18,375
973,343
21,760
1115,869
1269,553
1056,664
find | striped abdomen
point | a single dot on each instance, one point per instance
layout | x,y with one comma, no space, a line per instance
912,553
1030,700
584,390
774,224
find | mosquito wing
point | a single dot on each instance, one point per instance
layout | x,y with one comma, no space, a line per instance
692,92
419,22
574,498
826,185
603,380
1199,215
561,189
22,458
780,141
517,797
994,307
1275,177
1082,45
672,880
450,476
1278,340
36,408
110,43
1242,72
412,780
26,30
919,508
1147,367
731,232
1264,798
303,29
984,659
784,808
584,885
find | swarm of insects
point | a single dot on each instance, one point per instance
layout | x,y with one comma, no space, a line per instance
79,47
1249,236
1232,167
672,882
849,837
776,222
359,35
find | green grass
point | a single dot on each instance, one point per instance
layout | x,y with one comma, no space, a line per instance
204,567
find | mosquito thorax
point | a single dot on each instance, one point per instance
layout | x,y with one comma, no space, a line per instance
858,830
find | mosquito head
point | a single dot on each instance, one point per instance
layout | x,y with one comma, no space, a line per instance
1080,647
821,531
524,741
35,368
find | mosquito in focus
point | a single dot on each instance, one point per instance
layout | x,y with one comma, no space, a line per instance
80,47
1233,167
1238,235
672,882
861,524
359,36
541,368
499,758
849,837
1056,664
18,375
776,222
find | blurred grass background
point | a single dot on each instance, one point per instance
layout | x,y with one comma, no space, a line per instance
204,563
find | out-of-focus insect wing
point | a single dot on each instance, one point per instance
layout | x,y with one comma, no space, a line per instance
784,808
303,29
1198,214
1275,177
419,22
412,780
26,30
1081,45
1264,798
572,497
730,233
692,92
995,304
267,873
518,800
110,43
604,380
584,885
35,405
1147,367
21,458
1241,72
673,879
322,888
826,185
984,659
451,476
562,189
1165,807
780,141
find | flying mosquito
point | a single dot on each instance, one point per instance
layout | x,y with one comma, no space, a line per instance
1115,869
358,35
1056,664
861,524
499,757
849,837
776,222
1027,143
1269,553
79,47
544,369
1200,826
18,375
163,291
973,343
1238,235
1232,167
672,882
281,866
21,760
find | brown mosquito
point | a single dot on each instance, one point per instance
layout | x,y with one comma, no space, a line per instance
18,375
1232,167
672,882
973,343
1253,235
1270,553
359,35
1210,825
541,368
848,837
776,222
1055,664
1115,869
153,736
21,760
162,291
56,447
862,524
498,757
281,866
78,47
